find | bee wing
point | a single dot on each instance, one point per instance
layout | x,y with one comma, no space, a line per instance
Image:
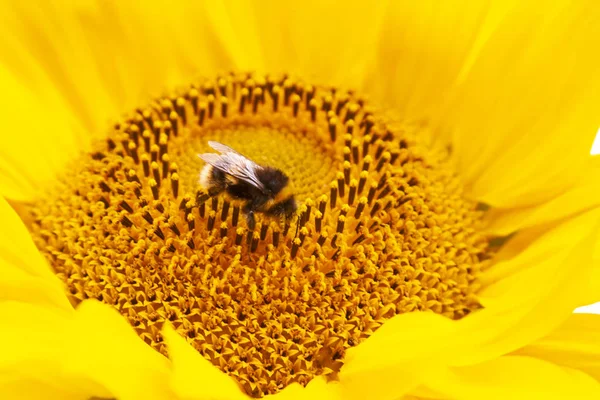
221,148
235,165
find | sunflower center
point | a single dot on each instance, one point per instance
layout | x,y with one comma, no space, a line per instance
381,228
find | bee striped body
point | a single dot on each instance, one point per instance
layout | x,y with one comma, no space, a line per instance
264,189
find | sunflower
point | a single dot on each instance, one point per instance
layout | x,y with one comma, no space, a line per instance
437,154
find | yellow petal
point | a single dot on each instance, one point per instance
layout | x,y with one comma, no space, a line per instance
91,352
155,47
25,275
194,377
34,343
50,38
317,389
592,286
236,26
319,40
400,356
528,296
37,139
575,344
525,115
421,51
584,196
16,246
18,285
514,377
105,348
14,387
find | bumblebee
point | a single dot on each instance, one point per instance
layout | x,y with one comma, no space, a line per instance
261,188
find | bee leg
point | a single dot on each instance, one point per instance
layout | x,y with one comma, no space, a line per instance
249,210
250,220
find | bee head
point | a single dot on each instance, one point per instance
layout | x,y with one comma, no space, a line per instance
274,180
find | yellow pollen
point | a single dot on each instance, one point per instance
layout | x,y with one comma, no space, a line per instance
382,228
